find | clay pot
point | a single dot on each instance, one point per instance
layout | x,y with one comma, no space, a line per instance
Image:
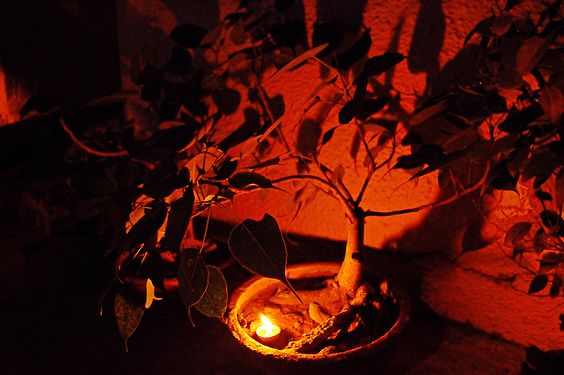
275,359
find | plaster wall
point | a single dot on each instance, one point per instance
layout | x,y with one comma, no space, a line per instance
429,32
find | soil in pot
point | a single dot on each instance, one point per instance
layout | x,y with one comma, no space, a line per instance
316,286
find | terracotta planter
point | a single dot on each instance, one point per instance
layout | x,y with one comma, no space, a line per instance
258,287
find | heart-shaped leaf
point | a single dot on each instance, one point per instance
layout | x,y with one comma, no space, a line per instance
192,278
128,315
214,301
260,247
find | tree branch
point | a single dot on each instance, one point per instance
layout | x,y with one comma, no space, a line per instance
82,145
444,202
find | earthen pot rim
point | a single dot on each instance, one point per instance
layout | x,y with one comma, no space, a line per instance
331,268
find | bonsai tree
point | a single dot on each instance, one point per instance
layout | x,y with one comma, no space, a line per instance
173,158
508,112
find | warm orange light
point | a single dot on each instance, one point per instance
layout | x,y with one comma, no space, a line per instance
267,329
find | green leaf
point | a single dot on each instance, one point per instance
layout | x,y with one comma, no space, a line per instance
214,301
161,181
246,180
300,59
147,226
517,232
178,220
128,315
259,247
192,278
539,283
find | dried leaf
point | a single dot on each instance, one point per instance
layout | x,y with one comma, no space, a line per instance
192,278
214,301
128,315
150,294
317,313
260,247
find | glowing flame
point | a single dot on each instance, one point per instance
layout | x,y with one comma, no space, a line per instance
267,329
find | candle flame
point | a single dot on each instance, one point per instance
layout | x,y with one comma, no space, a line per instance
267,329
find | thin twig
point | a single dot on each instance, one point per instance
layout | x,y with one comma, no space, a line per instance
444,202
82,145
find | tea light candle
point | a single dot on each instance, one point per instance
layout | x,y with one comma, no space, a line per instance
267,332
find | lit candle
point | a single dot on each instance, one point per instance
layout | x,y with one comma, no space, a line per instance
267,332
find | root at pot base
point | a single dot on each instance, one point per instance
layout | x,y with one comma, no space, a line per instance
321,328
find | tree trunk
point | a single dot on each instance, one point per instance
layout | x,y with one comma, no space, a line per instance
350,274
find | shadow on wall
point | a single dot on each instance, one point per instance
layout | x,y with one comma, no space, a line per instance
454,228
427,41
145,26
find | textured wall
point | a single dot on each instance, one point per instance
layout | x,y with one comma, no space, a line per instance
484,287
429,32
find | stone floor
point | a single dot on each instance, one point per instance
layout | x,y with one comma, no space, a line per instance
50,324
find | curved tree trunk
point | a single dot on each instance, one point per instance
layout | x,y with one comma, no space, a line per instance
350,274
